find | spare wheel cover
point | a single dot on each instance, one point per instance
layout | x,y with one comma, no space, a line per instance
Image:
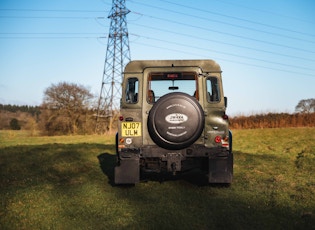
176,121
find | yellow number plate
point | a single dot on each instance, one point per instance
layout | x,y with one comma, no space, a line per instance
131,129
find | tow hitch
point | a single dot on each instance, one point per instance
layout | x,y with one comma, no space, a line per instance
174,162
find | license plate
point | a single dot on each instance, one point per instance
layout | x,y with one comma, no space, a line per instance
131,129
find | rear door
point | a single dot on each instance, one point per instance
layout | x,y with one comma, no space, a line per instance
161,81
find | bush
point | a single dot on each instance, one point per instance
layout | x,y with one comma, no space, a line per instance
14,124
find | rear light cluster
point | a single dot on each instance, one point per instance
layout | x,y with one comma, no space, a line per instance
226,142
223,140
121,143
121,118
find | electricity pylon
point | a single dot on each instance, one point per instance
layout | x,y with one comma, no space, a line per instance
117,56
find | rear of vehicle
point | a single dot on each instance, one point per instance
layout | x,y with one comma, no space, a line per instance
173,120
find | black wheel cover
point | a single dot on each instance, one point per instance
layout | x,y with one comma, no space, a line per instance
176,121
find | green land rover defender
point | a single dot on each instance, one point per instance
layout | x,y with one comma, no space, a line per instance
172,119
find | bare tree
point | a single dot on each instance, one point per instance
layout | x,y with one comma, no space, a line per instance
65,108
306,106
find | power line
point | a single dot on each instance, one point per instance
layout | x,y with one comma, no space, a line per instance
59,37
229,34
226,53
240,56
225,43
53,10
240,19
49,17
49,33
52,35
216,31
226,23
264,11
227,60
191,36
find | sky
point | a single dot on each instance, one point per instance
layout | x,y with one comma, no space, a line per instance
266,49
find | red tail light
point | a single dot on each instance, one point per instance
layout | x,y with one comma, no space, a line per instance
225,117
217,139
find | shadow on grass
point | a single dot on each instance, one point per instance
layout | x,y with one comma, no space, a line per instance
70,179
107,163
195,177
59,164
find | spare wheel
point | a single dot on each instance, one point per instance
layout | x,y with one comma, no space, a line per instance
176,121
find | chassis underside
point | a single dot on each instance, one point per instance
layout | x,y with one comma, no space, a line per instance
216,162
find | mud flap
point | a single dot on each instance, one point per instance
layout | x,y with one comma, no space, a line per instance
221,169
128,171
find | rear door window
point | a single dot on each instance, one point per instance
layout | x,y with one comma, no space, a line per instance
160,84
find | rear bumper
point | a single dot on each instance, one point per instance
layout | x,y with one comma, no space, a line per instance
157,152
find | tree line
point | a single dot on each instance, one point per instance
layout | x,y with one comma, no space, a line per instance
304,116
22,108
273,120
66,109
69,108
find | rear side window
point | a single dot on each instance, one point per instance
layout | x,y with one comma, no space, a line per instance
132,90
213,90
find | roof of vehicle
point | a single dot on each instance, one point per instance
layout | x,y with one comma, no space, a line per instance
139,65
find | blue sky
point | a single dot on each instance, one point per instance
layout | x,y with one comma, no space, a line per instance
266,49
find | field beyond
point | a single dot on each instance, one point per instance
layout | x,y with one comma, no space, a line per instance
66,182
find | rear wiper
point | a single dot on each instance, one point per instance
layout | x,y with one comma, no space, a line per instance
173,88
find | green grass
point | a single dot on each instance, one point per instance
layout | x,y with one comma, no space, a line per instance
15,138
65,182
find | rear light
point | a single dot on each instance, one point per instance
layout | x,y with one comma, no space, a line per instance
121,143
225,142
121,118
217,139
225,117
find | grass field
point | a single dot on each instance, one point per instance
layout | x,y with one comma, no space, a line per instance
65,182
